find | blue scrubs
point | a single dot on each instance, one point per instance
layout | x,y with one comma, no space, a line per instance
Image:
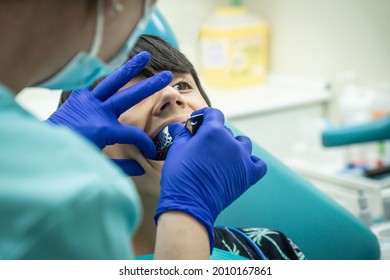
59,197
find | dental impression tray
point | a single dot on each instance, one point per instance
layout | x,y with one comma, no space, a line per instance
163,140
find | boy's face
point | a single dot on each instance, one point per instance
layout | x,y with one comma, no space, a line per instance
174,103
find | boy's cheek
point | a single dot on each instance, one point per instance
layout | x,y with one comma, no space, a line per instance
157,165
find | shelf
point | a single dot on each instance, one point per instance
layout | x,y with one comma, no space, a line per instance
334,176
279,93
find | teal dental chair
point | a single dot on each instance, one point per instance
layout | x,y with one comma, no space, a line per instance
367,132
287,202
378,130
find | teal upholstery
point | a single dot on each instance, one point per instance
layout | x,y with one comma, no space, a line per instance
285,201
376,130
159,26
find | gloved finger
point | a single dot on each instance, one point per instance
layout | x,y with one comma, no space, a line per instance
178,131
199,111
120,77
246,143
211,115
260,168
128,97
130,167
230,131
126,134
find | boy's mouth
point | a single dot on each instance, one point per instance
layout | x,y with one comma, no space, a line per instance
163,140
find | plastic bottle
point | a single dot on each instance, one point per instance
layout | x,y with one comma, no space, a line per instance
355,103
381,108
354,106
233,48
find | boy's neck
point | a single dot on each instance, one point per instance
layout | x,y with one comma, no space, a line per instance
145,238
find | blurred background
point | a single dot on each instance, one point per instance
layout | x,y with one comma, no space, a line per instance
327,65
314,38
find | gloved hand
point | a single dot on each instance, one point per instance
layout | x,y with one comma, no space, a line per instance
205,173
94,114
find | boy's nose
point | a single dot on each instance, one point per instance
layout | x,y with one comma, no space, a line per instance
170,99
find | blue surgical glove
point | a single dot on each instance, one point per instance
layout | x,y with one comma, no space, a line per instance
94,113
205,173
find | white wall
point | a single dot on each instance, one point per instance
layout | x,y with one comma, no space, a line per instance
186,18
314,38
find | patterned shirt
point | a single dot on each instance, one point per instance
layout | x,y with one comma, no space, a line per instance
257,243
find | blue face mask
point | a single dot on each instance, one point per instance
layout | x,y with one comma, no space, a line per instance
85,67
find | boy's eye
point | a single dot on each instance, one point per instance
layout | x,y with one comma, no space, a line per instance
181,86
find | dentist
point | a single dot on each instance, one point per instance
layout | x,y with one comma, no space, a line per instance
60,198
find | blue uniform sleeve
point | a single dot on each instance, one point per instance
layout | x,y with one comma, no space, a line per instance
59,197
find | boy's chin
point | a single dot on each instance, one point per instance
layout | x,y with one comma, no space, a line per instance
157,165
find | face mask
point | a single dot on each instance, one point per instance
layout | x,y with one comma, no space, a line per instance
85,67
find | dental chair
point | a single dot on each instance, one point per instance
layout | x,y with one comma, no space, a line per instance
285,201
378,130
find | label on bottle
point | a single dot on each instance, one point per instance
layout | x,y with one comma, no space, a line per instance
231,57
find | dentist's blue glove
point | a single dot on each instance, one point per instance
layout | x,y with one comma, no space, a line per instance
205,173
94,113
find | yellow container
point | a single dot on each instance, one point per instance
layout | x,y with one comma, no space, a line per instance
233,48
